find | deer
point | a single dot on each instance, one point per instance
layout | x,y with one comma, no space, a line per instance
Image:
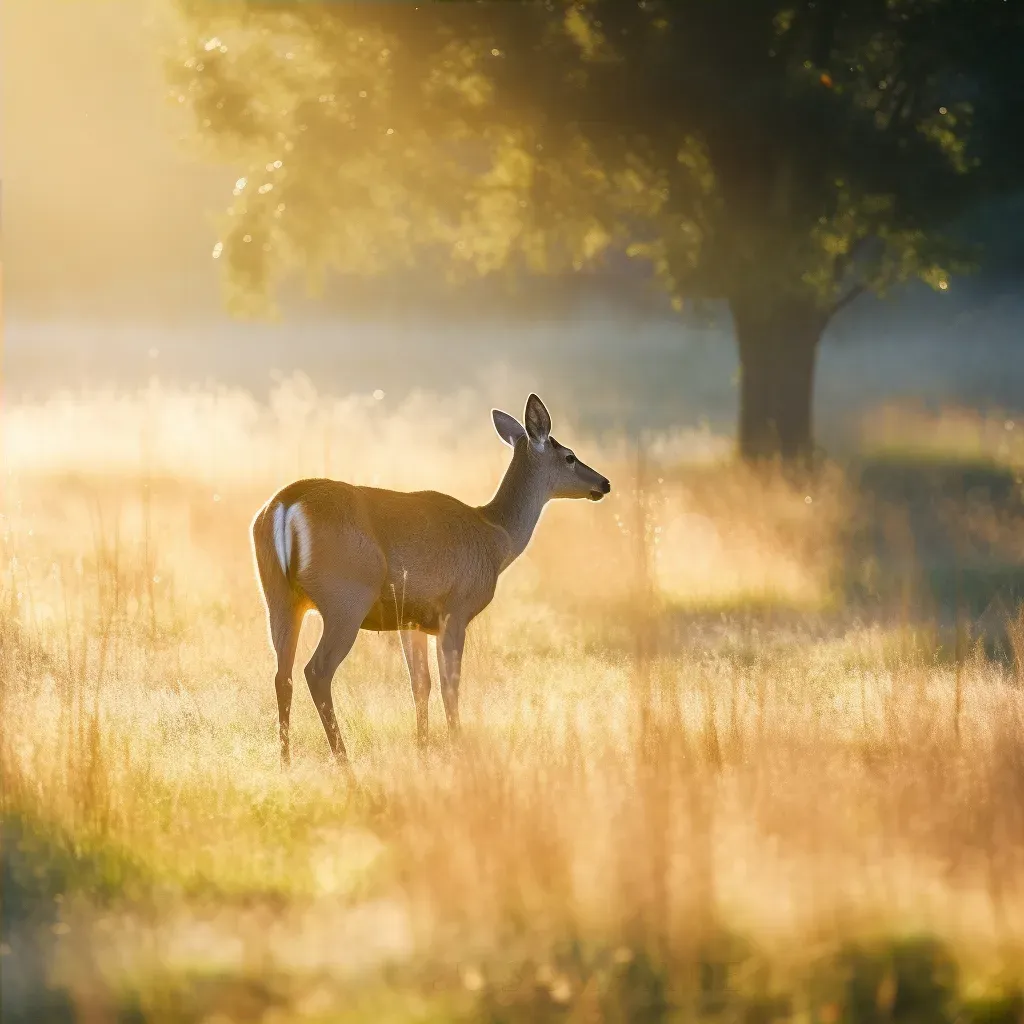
420,563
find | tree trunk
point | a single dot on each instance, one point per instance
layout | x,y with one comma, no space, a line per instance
778,347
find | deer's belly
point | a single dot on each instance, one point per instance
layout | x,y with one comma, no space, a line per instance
388,614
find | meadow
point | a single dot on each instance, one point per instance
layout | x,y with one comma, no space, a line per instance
740,745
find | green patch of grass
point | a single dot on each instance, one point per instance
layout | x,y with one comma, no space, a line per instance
43,863
1005,1007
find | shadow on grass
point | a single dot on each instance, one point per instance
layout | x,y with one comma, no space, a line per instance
938,539
40,868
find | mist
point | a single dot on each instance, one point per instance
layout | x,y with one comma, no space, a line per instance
612,369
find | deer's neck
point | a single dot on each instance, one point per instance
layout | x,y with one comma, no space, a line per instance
518,502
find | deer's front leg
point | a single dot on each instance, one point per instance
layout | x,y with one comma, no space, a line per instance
450,644
414,646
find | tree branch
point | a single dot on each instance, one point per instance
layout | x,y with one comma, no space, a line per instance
850,297
844,260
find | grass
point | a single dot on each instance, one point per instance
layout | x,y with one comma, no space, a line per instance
719,764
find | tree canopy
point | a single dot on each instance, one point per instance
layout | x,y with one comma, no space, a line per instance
781,157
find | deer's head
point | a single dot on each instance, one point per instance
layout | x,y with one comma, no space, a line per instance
555,467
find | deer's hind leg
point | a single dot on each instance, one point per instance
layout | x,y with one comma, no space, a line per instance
286,607
285,625
343,605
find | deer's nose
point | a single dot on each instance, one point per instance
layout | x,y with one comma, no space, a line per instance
606,486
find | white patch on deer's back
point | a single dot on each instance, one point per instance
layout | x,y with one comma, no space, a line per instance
281,537
291,532
297,523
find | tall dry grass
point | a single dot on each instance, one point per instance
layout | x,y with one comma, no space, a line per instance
656,783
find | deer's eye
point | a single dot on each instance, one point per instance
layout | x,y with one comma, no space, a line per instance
570,458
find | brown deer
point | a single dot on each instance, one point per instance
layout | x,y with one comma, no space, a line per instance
418,562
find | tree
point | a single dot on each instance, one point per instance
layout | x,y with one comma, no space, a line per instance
784,158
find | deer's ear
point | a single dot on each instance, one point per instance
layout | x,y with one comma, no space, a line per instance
508,427
538,422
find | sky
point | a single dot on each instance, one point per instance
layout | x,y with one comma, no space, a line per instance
109,226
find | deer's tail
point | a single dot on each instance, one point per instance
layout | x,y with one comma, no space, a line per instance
281,541
291,537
